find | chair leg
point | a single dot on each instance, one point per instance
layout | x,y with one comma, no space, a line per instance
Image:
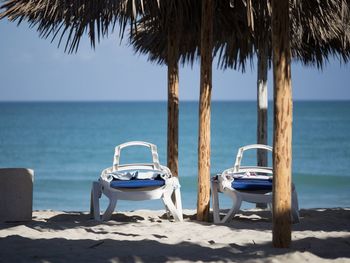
215,197
269,206
237,201
167,211
110,209
92,204
96,193
295,206
170,205
178,203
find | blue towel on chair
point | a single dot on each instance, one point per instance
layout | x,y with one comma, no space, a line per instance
136,174
137,183
251,184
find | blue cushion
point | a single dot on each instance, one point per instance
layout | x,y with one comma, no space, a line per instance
251,184
136,183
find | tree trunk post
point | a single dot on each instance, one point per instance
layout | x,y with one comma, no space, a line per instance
262,100
203,199
283,109
262,104
173,103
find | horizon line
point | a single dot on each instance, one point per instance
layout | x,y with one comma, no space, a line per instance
184,100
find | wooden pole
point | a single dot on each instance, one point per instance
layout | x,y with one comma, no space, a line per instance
262,98
262,104
204,111
283,109
173,103
262,101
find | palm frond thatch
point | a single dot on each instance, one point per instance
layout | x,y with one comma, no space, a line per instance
231,37
319,29
69,20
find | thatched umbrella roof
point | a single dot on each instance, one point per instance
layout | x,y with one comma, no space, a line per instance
69,20
151,35
319,29
59,18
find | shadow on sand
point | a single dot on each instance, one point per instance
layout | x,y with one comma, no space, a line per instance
20,249
327,220
16,248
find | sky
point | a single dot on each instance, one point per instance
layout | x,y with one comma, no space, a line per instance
34,69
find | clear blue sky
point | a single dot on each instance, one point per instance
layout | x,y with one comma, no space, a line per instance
33,69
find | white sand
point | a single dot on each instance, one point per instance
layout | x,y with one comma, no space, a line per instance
146,236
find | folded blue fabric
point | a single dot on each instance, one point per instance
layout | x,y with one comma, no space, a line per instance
137,183
136,174
251,184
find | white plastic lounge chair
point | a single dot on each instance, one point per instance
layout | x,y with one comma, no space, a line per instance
136,182
246,183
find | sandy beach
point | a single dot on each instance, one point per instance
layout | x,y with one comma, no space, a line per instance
147,236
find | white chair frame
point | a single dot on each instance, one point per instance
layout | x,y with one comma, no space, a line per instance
165,192
223,183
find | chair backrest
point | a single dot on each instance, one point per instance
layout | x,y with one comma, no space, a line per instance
241,150
152,147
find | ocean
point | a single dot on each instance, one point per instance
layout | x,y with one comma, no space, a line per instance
68,144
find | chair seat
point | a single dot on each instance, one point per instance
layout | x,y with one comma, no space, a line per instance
136,183
251,184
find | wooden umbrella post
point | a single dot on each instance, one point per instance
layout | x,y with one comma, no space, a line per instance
262,94
282,141
173,102
204,111
262,104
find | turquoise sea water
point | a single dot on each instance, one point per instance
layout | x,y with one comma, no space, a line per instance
68,144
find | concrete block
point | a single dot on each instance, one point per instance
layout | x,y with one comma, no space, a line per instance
16,194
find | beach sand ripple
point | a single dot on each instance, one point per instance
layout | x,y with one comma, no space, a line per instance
147,236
